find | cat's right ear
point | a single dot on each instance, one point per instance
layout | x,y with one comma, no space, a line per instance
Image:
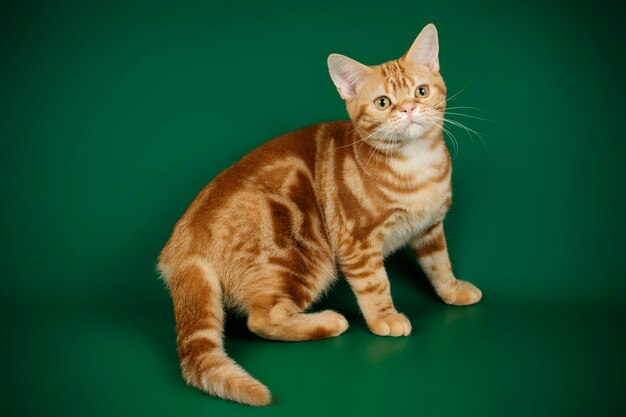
347,74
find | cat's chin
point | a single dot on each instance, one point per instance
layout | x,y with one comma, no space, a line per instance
412,132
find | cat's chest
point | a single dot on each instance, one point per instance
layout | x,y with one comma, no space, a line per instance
403,226
418,210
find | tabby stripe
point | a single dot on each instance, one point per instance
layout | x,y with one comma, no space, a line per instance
194,348
359,275
379,288
415,188
429,229
360,263
281,223
440,87
361,113
385,309
434,245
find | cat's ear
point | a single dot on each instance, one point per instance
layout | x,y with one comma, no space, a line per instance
425,49
347,74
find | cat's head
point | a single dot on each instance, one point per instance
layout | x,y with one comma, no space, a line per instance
399,100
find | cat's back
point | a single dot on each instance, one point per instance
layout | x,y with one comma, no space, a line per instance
273,182
270,166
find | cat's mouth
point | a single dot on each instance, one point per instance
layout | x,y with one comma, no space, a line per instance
411,122
414,124
413,129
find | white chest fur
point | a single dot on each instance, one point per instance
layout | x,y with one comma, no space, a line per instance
419,210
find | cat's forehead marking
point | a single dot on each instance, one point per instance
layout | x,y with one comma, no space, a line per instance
394,74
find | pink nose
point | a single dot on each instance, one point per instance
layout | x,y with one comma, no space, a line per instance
408,107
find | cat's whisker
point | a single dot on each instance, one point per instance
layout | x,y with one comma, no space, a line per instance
360,140
385,137
372,151
458,124
465,107
469,130
462,126
455,142
387,153
370,154
470,116
394,136
443,120
376,132
459,92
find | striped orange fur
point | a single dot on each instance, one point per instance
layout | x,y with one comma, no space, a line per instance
266,235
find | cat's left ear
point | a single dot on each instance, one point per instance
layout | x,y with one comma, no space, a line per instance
425,49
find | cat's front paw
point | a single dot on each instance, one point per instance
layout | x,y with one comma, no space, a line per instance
394,324
460,293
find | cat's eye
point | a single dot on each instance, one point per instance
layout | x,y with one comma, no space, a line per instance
421,91
382,102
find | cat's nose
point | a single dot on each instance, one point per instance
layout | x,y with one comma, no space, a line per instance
408,107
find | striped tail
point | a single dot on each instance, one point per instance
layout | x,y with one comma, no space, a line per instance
196,293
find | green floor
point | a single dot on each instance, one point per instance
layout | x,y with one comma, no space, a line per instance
114,114
497,358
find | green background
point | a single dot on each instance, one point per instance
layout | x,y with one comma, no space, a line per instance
113,115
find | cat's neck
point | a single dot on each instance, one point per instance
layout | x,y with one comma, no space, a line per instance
420,157
405,158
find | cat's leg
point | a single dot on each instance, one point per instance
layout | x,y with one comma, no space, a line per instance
364,269
432,254
276,308
283,320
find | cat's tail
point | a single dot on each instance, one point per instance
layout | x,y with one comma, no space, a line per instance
196,294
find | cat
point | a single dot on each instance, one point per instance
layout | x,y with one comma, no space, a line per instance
265,236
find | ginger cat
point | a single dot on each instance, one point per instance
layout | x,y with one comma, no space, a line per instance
265,236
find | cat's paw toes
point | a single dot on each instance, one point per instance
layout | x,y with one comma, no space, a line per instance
461,293
334,322
395,324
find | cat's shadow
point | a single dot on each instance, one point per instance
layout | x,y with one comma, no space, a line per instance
411,291
147,312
